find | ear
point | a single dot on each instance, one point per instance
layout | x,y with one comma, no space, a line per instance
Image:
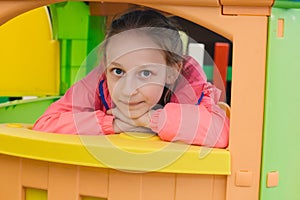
173,73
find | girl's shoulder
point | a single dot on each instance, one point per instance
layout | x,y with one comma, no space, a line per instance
190,83
192,70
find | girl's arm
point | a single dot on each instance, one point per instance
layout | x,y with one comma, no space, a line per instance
192,124
63,117
188,120
77,112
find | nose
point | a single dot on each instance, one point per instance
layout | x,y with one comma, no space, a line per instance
128,85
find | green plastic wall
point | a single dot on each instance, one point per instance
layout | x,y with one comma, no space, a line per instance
4,99
287,4
79,33
24,111
282,122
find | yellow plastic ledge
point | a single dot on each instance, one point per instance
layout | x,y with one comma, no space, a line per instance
126,151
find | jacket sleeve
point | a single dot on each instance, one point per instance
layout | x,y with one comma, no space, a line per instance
205,124
191,124
76,112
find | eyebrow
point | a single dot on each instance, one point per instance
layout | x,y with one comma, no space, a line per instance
116,64
151,65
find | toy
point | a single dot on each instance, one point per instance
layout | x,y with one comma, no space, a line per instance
254,171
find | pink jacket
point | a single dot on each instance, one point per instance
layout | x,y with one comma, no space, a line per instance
192,115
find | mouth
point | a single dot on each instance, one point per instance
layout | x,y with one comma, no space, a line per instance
132,103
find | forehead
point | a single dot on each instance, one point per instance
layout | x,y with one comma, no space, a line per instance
132,47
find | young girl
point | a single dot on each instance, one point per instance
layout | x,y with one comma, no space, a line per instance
145,85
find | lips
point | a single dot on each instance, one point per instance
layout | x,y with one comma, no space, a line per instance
132,103
133,109
135,103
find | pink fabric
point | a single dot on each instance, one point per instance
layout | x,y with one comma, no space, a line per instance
80,111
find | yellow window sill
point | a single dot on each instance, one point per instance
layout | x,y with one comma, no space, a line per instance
126,151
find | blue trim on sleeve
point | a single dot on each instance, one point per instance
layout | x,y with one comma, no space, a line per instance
200,99
101,94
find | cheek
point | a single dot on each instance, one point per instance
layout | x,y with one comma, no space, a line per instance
111,84
153,93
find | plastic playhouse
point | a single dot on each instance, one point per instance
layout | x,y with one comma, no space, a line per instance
44,42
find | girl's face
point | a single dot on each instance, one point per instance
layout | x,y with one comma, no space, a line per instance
136,74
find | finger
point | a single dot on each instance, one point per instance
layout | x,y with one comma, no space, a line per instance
109,112
142,130
114,111
118,114
123,126
144,120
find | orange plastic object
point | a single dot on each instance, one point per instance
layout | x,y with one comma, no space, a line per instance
126,151
247,100
261,3
64,167
280,28
272,179
69,182
244,179
238,10
107,9
246,7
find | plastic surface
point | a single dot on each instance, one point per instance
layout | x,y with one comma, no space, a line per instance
209,70
29,61
220,67
79,33
93,198
69,182
35,194
247,106
287,4
70,20
115,149
281,130
246,7
4,99
247,98
247,2
24,111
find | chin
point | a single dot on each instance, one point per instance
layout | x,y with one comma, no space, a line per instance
136,114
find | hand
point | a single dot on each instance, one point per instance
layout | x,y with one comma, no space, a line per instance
120,126
143,120
123,123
